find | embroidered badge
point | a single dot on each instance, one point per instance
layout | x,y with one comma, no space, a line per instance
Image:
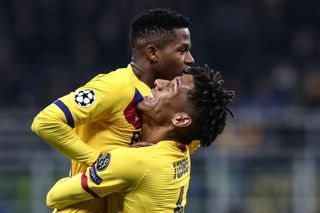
94,176
103,162
85,98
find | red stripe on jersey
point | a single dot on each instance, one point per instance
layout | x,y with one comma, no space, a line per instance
131,115
130,112
84,184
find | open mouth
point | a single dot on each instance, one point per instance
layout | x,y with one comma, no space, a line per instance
149,102
152,96
152,99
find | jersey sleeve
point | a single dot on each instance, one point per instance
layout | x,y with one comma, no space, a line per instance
51,124
66,192
97,100
113,172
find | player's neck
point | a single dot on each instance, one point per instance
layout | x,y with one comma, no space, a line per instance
154,134
142,73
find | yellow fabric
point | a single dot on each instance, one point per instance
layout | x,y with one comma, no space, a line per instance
51,125
154,179
195,144
99,127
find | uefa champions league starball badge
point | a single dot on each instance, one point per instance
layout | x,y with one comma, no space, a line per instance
85,98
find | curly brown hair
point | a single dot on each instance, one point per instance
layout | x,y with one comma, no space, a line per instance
209,101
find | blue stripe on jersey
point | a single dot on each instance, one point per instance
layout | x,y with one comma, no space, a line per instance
137,96
66,112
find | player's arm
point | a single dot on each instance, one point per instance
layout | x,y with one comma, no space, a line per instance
56,122
113,172
52,125
66,192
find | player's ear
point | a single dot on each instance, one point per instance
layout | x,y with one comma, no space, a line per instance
181,119
152,53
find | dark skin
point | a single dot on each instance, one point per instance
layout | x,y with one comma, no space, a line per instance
151,62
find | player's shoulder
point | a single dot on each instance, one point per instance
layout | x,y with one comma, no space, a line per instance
135,152
150,154
117,82
130,162
135,156
120,77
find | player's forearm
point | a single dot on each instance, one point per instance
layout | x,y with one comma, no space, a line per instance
106,176
59,135
65,192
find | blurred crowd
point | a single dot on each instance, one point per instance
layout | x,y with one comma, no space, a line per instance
267,50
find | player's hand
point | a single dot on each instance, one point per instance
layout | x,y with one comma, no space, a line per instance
141,144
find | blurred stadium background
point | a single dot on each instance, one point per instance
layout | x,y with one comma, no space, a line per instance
268,51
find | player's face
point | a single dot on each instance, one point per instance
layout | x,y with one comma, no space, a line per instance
169,97
175,57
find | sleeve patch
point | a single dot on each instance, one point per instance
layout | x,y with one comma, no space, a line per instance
85,98
103,162
94,176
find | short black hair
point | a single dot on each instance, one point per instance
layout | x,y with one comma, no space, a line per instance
157,21
209,101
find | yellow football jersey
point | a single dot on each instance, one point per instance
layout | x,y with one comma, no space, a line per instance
153,179
101,114
96,118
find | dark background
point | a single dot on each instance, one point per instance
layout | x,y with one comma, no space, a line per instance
267,50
